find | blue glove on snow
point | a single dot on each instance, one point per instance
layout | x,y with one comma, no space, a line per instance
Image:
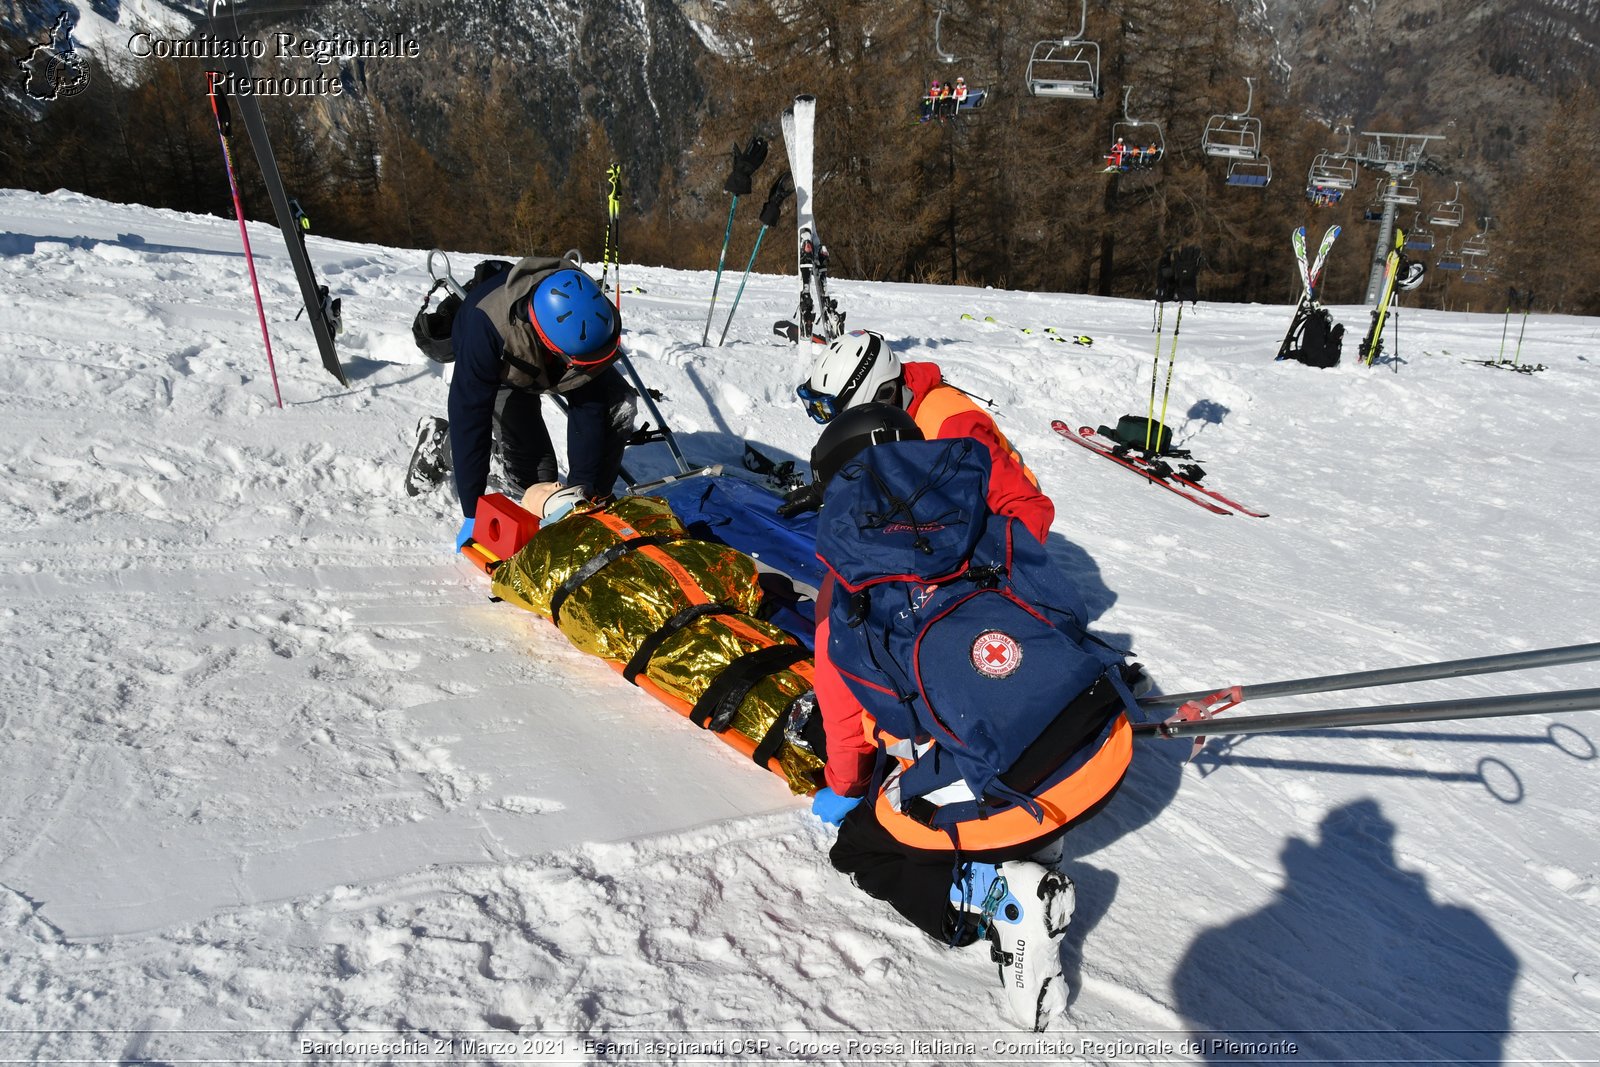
830,807
464,534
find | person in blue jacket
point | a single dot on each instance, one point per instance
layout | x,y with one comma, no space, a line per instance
542,326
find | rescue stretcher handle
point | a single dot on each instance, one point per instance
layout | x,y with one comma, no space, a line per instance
1511,661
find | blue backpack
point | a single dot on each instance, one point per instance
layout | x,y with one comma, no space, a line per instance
958,634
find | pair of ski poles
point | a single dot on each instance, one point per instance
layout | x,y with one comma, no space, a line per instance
1527,306
745,163
612,253
1150,430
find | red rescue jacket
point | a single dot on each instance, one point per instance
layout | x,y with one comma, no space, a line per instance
940,411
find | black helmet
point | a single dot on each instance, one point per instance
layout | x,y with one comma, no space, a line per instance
431,329
856,428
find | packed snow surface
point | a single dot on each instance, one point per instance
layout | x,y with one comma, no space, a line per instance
281,783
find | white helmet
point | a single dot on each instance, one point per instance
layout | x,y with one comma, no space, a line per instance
858,368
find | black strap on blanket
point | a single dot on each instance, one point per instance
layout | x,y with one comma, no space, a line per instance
647,648
719,703
767,747
599,563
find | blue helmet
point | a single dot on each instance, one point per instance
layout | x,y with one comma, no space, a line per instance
573,318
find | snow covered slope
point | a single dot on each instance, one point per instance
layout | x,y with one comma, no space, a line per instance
277,774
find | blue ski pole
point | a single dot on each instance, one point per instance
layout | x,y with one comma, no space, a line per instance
781,190
745,163
727,232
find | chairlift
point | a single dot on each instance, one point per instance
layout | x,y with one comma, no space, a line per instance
1334,171
1450,259
1404,193
1144,134
1068,68
1449,212
1235,136
1418,238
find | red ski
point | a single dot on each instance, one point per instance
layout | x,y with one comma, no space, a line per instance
1177,483
1094,446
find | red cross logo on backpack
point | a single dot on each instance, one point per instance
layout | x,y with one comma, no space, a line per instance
996,654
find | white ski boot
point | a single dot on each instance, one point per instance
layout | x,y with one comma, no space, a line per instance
1023,908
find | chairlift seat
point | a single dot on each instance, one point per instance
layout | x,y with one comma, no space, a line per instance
1065,70
1253,173
1075,90
1446,215
1332,181
1419,242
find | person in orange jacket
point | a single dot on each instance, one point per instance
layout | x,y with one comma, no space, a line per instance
981,878
933,887
861,368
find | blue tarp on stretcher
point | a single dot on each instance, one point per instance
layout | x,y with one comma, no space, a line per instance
744,516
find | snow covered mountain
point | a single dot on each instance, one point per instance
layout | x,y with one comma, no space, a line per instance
280,782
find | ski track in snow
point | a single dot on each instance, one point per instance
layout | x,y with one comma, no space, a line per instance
277,771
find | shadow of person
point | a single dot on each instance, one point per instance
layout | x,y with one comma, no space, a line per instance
1352,961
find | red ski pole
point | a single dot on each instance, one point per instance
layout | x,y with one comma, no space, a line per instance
219,111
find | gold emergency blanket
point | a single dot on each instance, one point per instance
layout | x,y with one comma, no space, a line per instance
616,608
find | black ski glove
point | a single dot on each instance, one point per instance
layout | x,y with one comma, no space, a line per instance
805,498
746,161
782,189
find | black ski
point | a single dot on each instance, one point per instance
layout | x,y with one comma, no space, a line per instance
318,307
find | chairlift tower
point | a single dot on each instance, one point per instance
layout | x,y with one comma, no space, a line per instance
1395,156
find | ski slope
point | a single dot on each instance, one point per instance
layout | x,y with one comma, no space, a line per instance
280,783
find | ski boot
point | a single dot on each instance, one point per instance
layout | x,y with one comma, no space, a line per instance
430,460
1022,908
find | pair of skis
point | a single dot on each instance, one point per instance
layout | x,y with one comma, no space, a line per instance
818,316
1155,471
1049,332
1372,344
1310,275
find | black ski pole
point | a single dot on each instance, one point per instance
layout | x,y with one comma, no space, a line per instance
650,405
782,189
1430,711
1419,672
